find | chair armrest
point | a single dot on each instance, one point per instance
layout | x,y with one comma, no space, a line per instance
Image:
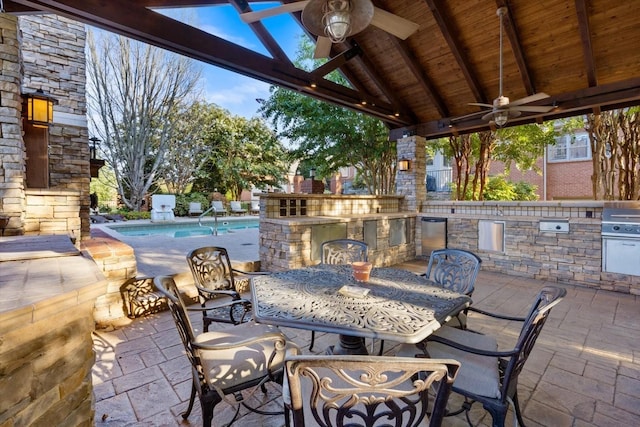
222,292
462,347
251,273
231,303
496,315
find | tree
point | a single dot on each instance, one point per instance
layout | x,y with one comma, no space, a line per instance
329,136
185,153
522,145
240,154
135,93
615,149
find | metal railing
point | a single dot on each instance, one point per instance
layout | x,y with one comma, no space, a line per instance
214,229
439,180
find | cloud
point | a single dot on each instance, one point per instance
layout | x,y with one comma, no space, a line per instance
234,92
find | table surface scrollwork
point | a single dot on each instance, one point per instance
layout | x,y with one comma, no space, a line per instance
400,306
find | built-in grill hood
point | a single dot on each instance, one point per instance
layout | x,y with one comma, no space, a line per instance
621,219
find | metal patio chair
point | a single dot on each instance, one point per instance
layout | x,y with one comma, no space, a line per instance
344,251
222,289
338,252
226,361
488,375
455,270
366,390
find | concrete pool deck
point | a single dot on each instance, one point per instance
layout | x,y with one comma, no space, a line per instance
163,255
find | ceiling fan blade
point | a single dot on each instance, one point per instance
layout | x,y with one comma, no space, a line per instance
467,117
323,47
251,17
480,104
532,108
531,98
393,24
488,116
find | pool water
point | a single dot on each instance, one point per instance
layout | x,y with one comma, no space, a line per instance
190,229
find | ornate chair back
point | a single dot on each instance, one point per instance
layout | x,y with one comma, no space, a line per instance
454,269
214,278
546,299
367,390
226,361
341,251
344,251
489,376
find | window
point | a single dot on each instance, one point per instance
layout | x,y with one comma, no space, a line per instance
569,148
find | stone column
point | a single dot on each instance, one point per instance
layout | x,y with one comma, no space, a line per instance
411,183
12,154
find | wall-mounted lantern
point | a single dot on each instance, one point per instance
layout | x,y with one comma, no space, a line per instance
404,165
312,173
40,108
94,162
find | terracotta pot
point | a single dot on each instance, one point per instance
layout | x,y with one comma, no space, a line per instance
361,271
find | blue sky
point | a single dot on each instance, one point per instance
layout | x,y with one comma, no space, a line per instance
229,90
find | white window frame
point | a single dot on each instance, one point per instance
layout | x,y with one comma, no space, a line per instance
572,146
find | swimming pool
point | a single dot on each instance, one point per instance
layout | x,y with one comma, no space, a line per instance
186,229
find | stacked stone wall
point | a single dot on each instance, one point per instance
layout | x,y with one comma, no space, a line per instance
12,154
46,358
572,258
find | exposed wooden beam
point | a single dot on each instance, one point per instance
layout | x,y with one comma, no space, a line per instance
512,34
584,101
261,32
421,77
337,61
447,30
134,20
585,37
383,86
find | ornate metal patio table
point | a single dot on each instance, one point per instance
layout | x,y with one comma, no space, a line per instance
400,305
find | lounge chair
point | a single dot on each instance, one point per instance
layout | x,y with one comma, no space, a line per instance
236,208
195,208
255,207
162,207
219,209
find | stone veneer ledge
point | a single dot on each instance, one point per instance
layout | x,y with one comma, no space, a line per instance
46,346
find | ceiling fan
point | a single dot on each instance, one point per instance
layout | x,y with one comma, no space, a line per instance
335,20
501,109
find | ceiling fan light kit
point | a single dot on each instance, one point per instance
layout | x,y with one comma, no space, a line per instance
337,19
502,110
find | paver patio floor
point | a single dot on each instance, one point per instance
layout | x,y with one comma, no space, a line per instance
583,371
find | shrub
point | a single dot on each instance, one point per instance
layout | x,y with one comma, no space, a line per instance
183,200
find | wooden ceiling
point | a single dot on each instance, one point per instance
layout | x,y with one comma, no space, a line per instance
584,53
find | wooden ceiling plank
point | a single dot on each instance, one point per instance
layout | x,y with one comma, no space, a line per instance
261,32
423,80
585,37
516,47
437,9
133,20
379,81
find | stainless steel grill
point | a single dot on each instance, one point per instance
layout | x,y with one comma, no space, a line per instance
621,238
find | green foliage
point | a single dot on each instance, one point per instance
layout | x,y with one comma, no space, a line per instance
131,215
183,200
330,136
105,188
525,191
500,188
240,154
